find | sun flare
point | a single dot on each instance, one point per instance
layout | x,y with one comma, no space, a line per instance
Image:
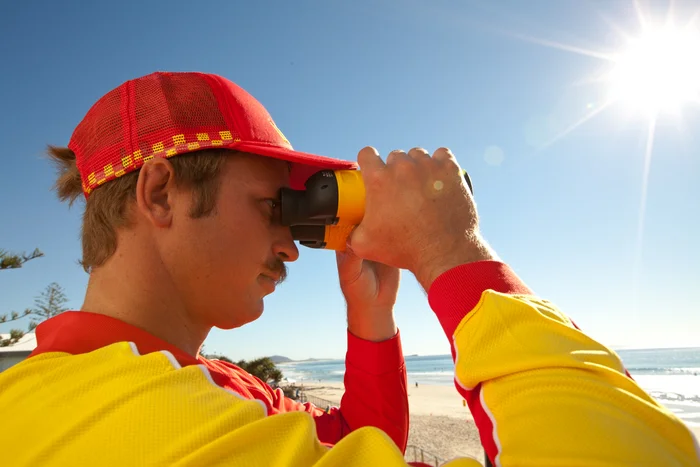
658,71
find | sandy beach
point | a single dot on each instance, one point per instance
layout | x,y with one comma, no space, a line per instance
440,424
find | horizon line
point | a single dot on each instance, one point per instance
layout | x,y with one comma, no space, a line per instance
611,347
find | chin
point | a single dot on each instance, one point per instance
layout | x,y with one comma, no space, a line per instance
244,314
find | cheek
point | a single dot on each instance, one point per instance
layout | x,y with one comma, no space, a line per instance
231,248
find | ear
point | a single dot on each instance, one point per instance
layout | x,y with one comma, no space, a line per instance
155,192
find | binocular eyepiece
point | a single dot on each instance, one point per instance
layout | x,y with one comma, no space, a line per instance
317,205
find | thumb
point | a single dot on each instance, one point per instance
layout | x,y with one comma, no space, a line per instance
357,241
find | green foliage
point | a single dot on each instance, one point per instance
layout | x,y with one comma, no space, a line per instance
14,261
48,304
52,306
15,336
15,316
262,368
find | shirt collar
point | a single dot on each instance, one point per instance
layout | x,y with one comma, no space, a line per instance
77,332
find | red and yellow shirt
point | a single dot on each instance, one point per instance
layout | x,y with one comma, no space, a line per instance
541,391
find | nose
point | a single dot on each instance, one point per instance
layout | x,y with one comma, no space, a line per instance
285,248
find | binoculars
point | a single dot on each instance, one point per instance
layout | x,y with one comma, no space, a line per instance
325,213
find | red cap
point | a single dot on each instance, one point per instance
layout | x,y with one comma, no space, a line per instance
165,114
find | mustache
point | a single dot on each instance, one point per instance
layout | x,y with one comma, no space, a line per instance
278,267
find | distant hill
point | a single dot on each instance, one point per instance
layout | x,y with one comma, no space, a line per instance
280,359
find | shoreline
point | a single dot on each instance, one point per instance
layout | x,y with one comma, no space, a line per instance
426,399
439,422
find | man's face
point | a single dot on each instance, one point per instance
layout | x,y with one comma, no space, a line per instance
224,264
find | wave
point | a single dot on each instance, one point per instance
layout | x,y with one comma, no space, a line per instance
664,371
432,373
675,397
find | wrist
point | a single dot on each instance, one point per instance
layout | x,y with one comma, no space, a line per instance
374,325
472,250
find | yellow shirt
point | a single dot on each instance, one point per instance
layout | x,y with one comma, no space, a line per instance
541,391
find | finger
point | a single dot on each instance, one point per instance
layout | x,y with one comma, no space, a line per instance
349,266
384,271
447,159
357,242
418,154
369,160
444,155
396,155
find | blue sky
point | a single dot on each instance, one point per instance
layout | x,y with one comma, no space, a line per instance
337,76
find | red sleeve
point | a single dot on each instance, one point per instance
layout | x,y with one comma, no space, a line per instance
375,393
529,374
456,292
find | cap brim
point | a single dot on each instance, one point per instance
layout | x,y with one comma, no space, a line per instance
303,164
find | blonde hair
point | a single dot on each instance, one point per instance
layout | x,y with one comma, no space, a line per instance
106,208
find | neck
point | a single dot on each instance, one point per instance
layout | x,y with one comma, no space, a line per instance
132,286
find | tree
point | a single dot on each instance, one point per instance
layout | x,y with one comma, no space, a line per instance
47,305
263,368
14,261
15,336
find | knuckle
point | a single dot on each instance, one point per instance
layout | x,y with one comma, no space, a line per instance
372,178
369,151
419,150
394,155
404,164
443,154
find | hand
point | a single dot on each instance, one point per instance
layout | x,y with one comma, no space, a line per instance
419,214
370,290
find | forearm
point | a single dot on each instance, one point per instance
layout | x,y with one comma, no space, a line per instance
375,394
372,325
540,390
375,387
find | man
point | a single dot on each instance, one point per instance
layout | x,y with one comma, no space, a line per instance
192,242
540,390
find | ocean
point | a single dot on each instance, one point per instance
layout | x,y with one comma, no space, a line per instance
671,376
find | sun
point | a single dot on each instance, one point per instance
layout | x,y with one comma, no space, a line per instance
659,71
656,72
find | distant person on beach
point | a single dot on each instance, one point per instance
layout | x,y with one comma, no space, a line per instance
173,252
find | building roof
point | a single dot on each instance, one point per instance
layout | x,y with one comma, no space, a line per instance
26,344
